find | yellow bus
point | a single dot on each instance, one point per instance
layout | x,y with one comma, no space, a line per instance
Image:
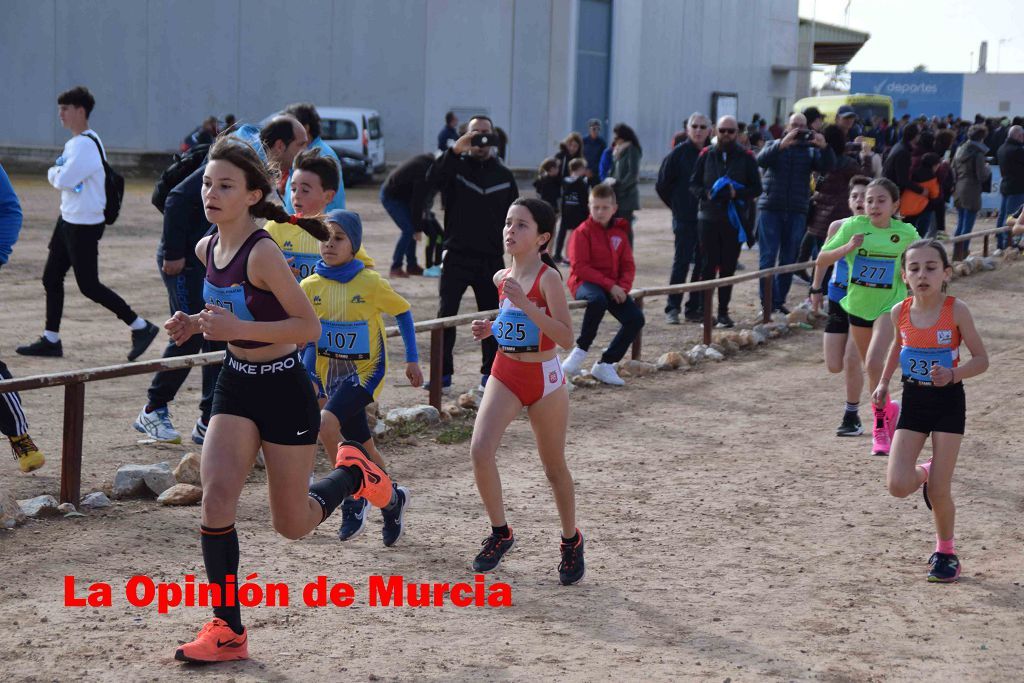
866,106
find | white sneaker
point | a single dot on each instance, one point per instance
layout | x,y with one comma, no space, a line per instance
573,363
605,372
157,425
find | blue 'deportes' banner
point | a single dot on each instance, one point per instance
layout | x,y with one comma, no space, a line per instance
913,93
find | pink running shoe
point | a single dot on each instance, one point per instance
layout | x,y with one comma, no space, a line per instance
892,417
880,441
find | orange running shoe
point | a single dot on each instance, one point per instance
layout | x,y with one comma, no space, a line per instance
216,642
376,486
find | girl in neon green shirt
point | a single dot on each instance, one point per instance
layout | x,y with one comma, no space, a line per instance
872,246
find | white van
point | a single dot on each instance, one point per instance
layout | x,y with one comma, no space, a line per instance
353,130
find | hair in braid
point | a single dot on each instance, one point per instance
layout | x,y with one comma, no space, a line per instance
258,176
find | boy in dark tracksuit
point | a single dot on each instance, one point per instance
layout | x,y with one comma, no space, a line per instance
575,189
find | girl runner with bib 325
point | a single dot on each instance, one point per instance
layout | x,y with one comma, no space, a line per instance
533,318
872,246
929,329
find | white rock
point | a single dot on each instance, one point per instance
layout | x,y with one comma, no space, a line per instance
135,480
96,500
988,263
798,315
11,514
713,354
181,494
425,414
66,508
40,506
380,429
187,471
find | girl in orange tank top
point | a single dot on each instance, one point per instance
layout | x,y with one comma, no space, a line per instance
930,327
526,373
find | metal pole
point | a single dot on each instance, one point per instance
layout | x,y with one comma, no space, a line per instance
638,340
436,366
71,450
766,299
984,249
709,295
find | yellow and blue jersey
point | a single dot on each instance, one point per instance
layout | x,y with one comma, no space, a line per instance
352,338
299,245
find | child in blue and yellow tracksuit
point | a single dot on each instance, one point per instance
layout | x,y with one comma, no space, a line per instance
349,361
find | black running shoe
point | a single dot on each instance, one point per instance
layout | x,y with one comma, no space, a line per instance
141,339
782,309
394,519
945,568
495,548
571,568
353,518
851,425
41,347
723,320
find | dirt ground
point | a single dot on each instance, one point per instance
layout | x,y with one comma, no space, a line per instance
730,534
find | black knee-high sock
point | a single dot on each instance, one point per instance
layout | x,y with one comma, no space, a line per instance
220,555
330,491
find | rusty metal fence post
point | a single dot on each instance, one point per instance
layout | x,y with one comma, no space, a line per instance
766,299
71,449
639,340
709,299
436,366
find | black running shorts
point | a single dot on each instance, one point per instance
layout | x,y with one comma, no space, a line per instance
838,319
926,409
276,395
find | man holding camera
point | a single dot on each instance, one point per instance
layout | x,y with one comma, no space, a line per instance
788,165
478,189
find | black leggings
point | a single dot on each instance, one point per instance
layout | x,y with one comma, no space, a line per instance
78,247
720,251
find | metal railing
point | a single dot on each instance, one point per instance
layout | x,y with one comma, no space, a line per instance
74,381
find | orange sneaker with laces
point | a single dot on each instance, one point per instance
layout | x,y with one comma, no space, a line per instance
216,642
376,486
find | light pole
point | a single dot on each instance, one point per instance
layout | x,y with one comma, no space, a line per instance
999,50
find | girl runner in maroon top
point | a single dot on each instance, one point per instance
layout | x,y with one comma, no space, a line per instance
263,397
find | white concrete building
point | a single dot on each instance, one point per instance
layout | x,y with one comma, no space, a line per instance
539,68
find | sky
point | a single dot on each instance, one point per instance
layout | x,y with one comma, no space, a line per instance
941,34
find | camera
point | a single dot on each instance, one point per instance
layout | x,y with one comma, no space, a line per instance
484,140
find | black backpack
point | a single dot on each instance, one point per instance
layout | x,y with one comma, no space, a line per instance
113,185
182,166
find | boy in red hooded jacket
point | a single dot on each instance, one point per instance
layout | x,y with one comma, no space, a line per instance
602,274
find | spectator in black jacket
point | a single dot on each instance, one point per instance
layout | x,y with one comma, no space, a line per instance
1011,187
788,165
407,200
673,187
897,165
720,235
478,190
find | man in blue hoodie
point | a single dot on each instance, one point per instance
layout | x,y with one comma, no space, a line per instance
788,165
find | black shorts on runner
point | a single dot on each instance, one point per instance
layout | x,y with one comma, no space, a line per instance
276,395
926,409
838,319
860,322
